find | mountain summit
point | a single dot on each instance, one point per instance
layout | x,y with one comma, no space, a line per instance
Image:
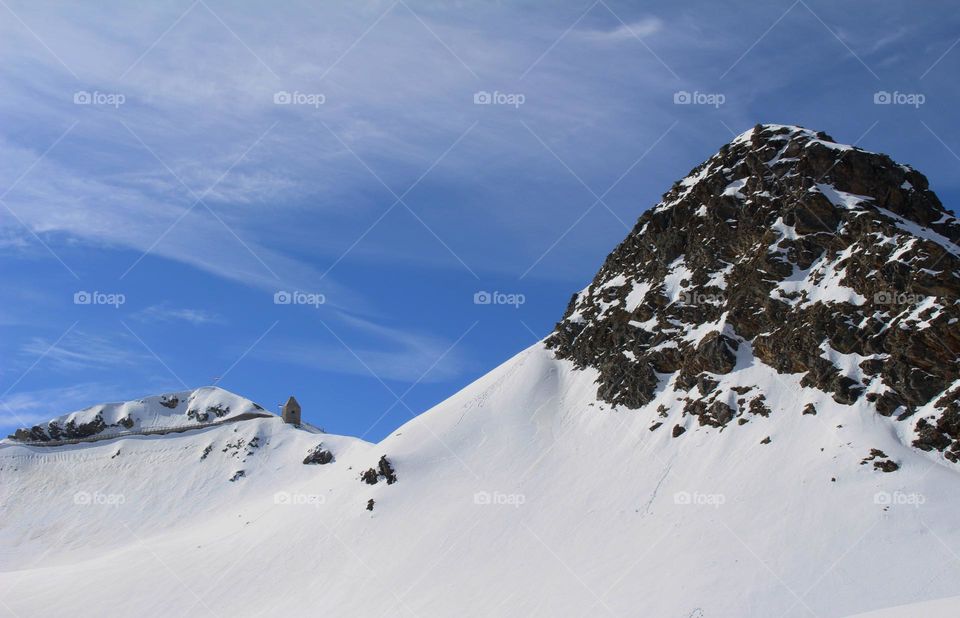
787,248
795,295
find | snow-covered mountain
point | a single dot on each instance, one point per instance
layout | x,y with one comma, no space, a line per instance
203,406
812,257
751,411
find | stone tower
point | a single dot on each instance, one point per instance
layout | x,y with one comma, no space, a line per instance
291,411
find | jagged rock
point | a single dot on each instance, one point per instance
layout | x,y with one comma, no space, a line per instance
211,412
318,455
706,384
929,437
758,407
874,454
810,409
678,430
630,386
953,454
384,470
877,457
370,504
886,466
218,410
716,414
716,353
198,416
74,430
169,401
71,430
949,422
800,249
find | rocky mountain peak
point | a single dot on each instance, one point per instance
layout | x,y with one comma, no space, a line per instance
788,249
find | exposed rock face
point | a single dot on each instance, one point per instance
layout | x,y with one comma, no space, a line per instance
383,471
169,401
194,406
813,257
68,431
880,461
211,413
318,455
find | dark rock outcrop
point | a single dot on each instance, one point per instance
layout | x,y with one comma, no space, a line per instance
318,455
169,401
880,461
383,471
795,250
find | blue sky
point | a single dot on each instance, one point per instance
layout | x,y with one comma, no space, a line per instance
194,159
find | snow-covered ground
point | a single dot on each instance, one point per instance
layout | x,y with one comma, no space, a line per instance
522,495
938,608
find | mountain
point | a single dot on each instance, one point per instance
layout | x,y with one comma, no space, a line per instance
730,420
159,414
809,256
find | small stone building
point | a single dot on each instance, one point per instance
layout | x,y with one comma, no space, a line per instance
291,411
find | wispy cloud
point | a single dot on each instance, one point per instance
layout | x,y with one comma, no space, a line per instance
624,31
397,99
29,407
82,350
166,313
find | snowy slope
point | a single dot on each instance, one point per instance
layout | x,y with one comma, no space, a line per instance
588,514
939,608
733,419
